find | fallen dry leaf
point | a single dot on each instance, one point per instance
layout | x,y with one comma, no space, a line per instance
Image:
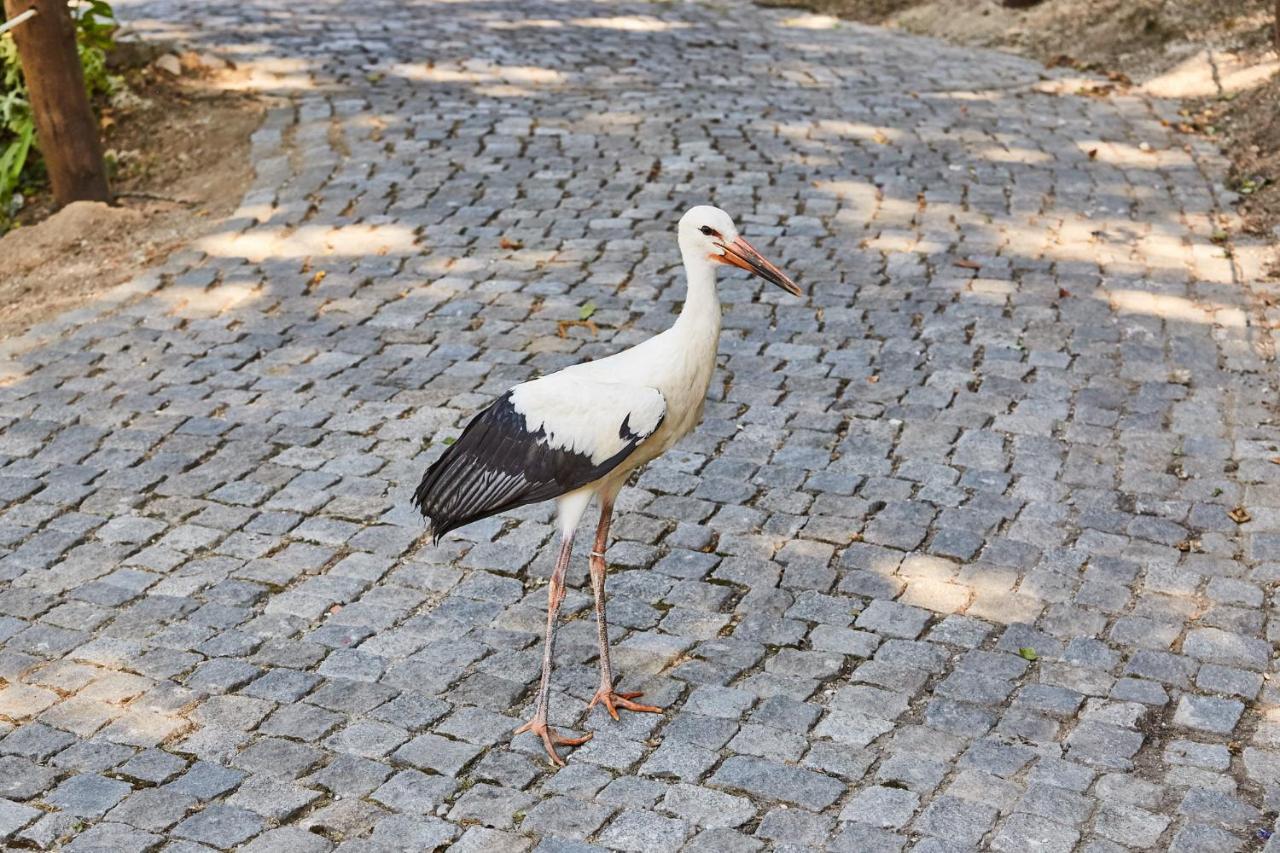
968,264
563,327
1096,90
507,243
1240,515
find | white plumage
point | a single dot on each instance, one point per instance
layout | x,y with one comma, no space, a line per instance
584,415
577,434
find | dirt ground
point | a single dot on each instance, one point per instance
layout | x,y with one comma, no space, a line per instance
1251,122
1138,37
1218,54
181,153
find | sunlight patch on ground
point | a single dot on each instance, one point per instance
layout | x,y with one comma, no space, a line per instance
1176,308
630,24
991,290
1122,154
311,240
610,119
811,22
210,302
260,212
997,154
478,71
10,373
1210,73
936,594
854,190
528,23
1109,241
144,727
858,130
274,74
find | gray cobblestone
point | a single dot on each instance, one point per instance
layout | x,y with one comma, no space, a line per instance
1208,713
644,831
1028,832
705,808
792,827
956,820
773,781
884,807
21,779
14,816
1130,825
153,809
288,840
893,619
722,841
414,792
87,795
562,817
219,826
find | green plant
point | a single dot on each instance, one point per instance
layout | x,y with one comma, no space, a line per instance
95,35
17,128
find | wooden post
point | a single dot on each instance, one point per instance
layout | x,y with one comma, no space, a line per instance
65,127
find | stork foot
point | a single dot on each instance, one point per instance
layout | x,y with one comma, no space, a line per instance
551,739
612,701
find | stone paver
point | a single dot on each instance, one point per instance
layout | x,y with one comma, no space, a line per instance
950,561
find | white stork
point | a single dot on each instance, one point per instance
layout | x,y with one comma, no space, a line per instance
580,432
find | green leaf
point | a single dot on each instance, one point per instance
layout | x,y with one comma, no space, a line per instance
587,310
1027,653
450,440
12,159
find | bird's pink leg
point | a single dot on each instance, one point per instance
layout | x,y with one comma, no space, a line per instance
555,595
606,695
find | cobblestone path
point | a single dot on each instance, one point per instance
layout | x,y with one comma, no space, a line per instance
955,560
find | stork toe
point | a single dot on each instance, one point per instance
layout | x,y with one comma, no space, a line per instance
551,738
613,700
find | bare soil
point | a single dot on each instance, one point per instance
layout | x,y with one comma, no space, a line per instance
1138,37
1219,55
1251,122
181,149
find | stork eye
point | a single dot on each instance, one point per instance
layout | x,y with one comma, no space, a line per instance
708,230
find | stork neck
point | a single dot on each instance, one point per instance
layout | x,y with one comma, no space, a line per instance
701,310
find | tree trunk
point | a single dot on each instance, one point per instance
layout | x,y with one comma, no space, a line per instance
65,127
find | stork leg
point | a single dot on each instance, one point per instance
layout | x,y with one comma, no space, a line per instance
606,695
555,595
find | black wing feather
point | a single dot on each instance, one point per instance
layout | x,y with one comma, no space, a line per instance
498,464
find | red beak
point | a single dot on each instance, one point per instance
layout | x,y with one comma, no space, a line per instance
743,255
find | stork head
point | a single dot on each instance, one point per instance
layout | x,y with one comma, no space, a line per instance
708,233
